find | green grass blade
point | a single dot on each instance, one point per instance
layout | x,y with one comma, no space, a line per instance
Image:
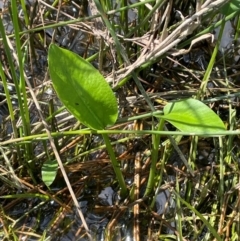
204,220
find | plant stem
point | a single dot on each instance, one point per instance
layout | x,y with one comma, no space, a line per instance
155,140
20,85
115,164
208,71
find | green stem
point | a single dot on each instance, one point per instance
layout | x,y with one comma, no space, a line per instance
208,71
156,141
20,84
25,13
55,3
8,98
115,164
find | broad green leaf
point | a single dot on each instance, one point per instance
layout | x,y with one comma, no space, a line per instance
82,89
193,116
49,171
230,7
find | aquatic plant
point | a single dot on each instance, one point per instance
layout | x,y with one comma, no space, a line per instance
87,95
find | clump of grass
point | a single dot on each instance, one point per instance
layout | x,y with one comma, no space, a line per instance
143,59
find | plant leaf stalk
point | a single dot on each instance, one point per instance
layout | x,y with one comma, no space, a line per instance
115,164
154,155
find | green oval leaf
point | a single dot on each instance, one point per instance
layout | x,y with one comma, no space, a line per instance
230,7
82,89
49,171
193,116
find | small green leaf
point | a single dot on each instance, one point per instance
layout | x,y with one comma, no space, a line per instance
193,116
82,89
230,7
49,171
